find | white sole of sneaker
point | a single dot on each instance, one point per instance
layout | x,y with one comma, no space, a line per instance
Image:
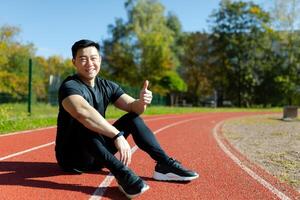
172,177
131,196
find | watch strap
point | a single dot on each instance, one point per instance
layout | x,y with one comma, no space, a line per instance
118,135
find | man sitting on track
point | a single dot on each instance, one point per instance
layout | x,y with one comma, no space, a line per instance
86,141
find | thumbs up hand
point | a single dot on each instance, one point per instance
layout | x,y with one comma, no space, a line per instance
145,94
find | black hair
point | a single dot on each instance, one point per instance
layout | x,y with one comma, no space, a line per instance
83,44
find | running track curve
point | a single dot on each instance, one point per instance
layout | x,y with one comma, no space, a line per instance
28,168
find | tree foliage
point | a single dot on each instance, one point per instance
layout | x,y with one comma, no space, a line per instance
243,57
144,46
196,68
238,45
286,19
14,61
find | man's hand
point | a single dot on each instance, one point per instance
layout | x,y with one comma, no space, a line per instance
145,94
138,106
124,149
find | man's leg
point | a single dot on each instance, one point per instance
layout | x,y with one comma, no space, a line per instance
167,169
87,151
144,138
129,183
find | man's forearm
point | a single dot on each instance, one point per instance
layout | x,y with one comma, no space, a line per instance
91,119
138,107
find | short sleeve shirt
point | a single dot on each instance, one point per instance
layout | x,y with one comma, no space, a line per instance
100,96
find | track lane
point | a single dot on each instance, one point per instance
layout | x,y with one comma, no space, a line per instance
220,178
36,174
22,141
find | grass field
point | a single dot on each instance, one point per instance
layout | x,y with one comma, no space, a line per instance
14,117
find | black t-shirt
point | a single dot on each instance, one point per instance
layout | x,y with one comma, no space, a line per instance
100,96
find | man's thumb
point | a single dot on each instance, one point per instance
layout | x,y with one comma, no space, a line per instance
146,84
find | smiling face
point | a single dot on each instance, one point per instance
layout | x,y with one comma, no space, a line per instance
87,63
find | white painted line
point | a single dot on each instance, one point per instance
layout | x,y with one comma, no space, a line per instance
51,127
109,178
45,145
164,117
26,151
27,131
255,176
99,192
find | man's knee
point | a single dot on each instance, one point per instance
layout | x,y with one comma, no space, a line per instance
131,118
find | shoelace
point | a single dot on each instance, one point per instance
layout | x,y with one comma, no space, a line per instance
173,161
176,163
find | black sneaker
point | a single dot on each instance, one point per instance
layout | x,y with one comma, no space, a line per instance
173,171
130,184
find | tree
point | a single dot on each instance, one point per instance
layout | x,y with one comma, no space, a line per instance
14,60
13,64
286,21
143,47
196,69
173,83
118,55
153,39
236,39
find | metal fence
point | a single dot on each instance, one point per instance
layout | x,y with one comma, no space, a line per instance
52,95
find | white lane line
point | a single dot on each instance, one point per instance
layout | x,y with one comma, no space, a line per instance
255,176
27,131
26,151
52,127
164,117
109,178
48,144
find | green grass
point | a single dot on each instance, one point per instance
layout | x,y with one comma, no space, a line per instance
154,110
14,117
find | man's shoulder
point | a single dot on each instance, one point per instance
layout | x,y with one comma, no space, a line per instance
71,85
72,81
105,82
102,80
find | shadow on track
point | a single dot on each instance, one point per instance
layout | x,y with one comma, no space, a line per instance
27,174
30,174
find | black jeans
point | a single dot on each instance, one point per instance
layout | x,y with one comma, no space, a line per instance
91,151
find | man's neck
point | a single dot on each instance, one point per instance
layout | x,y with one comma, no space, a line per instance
89,82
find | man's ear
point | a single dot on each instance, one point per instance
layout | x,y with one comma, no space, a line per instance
73,61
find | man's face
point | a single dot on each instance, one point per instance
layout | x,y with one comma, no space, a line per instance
87,62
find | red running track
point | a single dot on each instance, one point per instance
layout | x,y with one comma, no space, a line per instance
28,168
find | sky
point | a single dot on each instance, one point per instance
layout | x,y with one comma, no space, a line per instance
54,25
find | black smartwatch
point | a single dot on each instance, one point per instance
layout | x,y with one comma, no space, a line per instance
118,135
